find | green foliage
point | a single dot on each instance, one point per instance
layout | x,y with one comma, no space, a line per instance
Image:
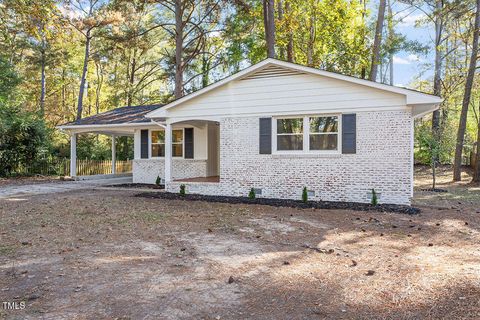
374,200
8,79
158,181
427,147
251,194
22,133
22,139
132,58
182,190
305,195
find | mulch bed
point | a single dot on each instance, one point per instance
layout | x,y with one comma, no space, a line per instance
435,190
286,203
137,186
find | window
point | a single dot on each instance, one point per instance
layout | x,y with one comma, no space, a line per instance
307,134
290,134
158,143
323,133
177,143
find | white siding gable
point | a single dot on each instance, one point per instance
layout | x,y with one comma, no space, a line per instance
286,91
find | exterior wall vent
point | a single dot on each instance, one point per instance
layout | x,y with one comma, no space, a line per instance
271,72
257,191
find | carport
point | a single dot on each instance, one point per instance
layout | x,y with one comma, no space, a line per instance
120,122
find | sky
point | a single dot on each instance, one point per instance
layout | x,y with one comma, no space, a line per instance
408,66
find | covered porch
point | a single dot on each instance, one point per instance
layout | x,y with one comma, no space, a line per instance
85,169
174,151
165,150
117,123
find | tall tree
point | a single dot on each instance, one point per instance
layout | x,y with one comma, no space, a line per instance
377,41
437,78
457,169
193,23
288,10
179,63
87,16
476,165
269,25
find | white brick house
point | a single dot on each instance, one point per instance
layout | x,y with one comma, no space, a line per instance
278,127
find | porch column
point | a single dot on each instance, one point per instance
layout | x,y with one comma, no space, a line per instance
114,155
73,154
168,153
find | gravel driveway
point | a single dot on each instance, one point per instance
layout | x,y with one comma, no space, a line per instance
57,186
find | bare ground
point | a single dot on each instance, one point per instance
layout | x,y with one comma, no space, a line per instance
96,254
28,180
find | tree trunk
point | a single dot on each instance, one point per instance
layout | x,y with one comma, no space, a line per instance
437,79
43,86
378,40
131,81
178,49
280,18
64,93
457,168
205,70
290,35
84,76
363,72
311,36
391,35
99,87
269,24
476,165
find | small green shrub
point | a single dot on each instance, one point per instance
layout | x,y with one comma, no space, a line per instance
182,190
158,181
251,194
374,200
305,195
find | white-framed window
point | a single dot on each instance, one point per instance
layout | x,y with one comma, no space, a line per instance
307,134
157,143
289,134
323,134
177,143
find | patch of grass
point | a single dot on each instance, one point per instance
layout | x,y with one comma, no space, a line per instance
7,250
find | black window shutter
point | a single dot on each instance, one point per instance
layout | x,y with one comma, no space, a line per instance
188,143
144,144
349,133
265,136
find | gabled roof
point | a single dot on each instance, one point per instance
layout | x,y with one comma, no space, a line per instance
122,115
412,97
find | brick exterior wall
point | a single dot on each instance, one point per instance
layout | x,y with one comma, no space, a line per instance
147,170
383,161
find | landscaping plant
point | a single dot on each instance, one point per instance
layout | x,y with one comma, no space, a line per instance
305,195
251,194
374,200
182,190
158,181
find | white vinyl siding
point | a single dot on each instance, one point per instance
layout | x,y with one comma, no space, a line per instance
300,94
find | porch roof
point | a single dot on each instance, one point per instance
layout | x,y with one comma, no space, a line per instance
122,115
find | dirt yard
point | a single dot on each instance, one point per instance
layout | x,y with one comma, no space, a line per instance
103,254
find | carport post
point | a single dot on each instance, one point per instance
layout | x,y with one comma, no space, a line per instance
114,155
73,154
168,153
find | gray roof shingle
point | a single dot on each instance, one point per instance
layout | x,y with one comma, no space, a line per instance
122,115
